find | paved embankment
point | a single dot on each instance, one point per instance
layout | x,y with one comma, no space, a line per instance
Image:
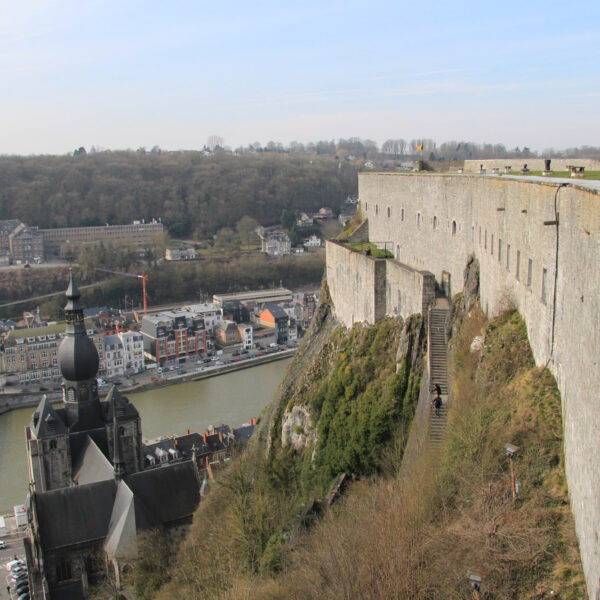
24,399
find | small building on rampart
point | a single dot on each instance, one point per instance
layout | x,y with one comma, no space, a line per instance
538,245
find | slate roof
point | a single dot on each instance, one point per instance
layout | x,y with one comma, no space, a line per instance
92,465
275,310
45,421
168,493
74,515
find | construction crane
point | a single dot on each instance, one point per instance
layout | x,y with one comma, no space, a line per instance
143,277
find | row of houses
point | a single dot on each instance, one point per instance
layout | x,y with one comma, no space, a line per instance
30,354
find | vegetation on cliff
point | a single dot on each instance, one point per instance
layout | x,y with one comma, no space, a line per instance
410,536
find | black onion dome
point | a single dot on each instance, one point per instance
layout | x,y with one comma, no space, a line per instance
78,358
77,355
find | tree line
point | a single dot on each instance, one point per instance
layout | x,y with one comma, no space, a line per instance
194,194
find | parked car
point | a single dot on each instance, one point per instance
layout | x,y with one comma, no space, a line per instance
153,378
2,544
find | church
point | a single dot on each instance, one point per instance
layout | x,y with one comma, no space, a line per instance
93,484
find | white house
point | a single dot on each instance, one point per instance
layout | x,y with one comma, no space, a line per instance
312,242
210,312
133,351
113,356
246,333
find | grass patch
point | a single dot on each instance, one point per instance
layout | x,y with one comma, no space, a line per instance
364,246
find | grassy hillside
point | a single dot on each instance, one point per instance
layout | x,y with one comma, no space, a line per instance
393,537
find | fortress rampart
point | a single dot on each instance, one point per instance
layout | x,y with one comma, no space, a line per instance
533,164
549,272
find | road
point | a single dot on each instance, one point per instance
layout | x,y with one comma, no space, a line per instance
14,546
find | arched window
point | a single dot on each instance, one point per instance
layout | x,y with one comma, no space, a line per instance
402,215
377,209
418,219
389,212
435,222
453,227
366,206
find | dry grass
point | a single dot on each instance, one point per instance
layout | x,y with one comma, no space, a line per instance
415,539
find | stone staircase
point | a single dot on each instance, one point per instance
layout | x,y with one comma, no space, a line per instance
438,367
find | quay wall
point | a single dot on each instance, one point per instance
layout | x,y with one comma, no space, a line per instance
549,272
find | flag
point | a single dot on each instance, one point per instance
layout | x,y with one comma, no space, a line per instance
419,147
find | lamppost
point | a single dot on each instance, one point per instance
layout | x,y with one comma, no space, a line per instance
511,451
475,578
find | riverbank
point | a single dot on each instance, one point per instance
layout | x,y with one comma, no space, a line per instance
29,399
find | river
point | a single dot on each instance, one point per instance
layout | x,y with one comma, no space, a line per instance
232,399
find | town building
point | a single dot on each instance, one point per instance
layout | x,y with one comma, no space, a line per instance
253,298
113,356
133,351
227,334
180,252
6,228
305,221
324,214
210,312
246,335
276,244
32,354
139,234
26,245
314,241
93,483
274,317
173,336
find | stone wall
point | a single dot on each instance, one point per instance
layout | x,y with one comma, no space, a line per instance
533,164
366,289
437,221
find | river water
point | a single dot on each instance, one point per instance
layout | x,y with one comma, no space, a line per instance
232,399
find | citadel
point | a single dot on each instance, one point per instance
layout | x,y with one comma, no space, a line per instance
537,244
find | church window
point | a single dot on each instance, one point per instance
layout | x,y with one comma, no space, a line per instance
63,569
453,227
389,212
418,219
402,215
435,222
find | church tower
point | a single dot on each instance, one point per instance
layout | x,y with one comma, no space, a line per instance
78,360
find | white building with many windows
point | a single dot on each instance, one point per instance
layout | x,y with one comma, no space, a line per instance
133,351
114,364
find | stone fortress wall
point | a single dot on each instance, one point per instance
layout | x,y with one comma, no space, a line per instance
533,164
435,223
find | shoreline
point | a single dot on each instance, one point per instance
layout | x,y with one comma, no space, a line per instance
32,399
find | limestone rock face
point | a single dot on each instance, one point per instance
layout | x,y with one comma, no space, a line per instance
296,429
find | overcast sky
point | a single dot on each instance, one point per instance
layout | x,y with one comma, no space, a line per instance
128,73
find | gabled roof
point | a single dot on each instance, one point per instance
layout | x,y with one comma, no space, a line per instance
275,310
45,421
92,465
170,493
76,514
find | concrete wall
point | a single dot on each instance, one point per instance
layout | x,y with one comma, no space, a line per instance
533,164
437,221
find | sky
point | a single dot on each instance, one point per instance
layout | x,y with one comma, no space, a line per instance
120,74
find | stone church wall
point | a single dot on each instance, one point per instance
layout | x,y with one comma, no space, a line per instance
435,222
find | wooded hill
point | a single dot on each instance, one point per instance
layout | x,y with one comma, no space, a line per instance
194,194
